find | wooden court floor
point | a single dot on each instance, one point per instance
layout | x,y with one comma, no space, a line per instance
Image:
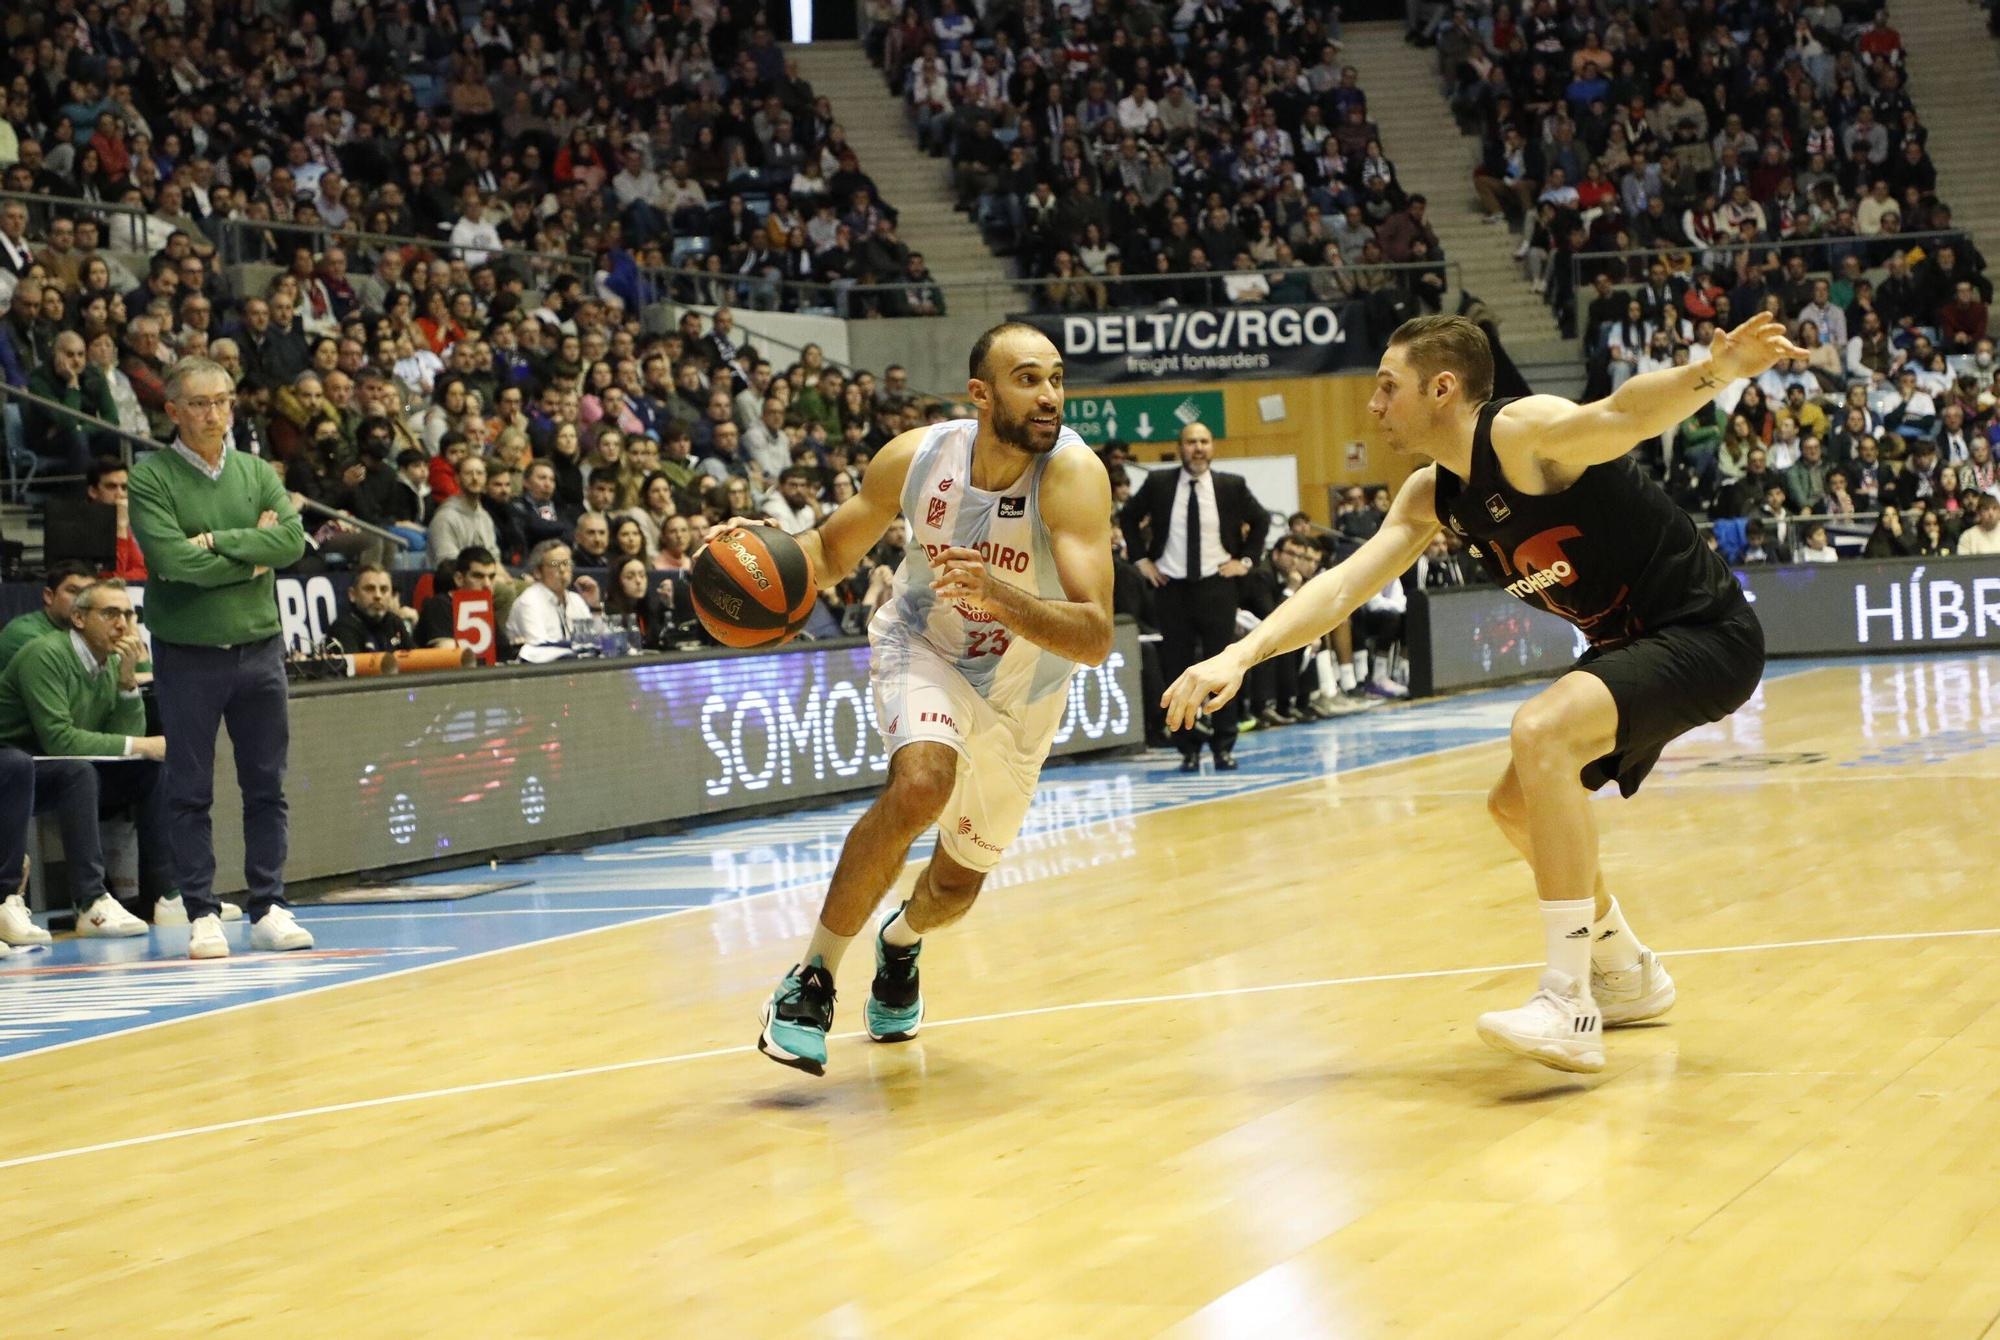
1223,1084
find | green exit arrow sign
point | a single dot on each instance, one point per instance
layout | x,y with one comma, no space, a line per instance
1098,417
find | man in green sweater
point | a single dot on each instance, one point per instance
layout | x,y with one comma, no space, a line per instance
60,588
214,523
74,699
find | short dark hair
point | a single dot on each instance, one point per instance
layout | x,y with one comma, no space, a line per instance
983,346
363,569
474,553
102,466
58,573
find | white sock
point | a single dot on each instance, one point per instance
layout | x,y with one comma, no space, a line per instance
1613,947
828,948
1566,925
1361,663
1329,678
897,929
1348,683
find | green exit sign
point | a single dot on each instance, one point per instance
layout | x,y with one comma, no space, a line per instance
1097,417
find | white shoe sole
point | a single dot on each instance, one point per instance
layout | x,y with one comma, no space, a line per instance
206,951
903,1035
286,946
28,938
1565,1056
88,932
767,1045
1640,1010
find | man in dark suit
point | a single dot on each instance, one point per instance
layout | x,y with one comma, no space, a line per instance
1193,533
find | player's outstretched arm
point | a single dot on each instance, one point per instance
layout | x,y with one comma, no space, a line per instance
838,544
1075,502
1556,430
1320,606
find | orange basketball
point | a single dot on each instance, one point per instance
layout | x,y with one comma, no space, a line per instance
753,587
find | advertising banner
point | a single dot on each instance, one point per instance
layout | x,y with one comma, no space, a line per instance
1481,635
418,768
1198,343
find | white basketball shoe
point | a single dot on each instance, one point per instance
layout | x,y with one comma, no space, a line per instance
1560,1026
1632,995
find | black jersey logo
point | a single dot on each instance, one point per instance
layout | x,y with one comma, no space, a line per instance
1497,508
1013,506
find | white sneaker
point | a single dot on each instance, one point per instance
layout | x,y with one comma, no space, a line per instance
277,929
1633,995
206,940
107,919
17,924
1559,1027
1384,687
6,950
172,911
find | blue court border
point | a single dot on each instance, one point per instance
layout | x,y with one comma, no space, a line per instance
77,991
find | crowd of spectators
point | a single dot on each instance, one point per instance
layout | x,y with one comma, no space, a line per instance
1712,138
1141,154
471,392
648,151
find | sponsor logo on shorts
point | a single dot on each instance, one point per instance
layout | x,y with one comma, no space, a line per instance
938,717
934,513
1010,507
965,831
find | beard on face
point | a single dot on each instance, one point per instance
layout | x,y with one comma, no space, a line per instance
1017,432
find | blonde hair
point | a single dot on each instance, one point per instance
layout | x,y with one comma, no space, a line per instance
1453,344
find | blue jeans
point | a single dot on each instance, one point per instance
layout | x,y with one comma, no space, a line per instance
199,689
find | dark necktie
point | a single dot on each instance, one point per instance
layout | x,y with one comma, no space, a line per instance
1194,531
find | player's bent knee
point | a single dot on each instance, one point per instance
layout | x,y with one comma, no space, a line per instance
1503,802
1541,738
919,789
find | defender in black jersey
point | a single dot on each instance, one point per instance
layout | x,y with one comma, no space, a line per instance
1544,494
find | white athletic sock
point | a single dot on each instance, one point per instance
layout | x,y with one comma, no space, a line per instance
1329,678
897,930
1348,683
1566,925
1613,947
1361,664
828,948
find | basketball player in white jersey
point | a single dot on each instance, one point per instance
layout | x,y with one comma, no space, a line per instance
1004,590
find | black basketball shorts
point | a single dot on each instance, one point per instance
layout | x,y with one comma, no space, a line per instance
1669,681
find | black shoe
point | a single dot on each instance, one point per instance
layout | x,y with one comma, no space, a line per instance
1159,742
1225,760
1191,762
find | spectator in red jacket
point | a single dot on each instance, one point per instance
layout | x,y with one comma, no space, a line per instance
1962,321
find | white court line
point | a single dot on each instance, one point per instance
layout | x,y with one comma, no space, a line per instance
615,1067
1276,783
1273,785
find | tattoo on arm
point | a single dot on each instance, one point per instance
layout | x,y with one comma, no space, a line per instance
1706,382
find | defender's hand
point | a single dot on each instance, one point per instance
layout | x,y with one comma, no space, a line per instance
1752,348
1202,688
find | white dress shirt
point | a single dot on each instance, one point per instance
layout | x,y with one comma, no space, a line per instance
1173,560
540,624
